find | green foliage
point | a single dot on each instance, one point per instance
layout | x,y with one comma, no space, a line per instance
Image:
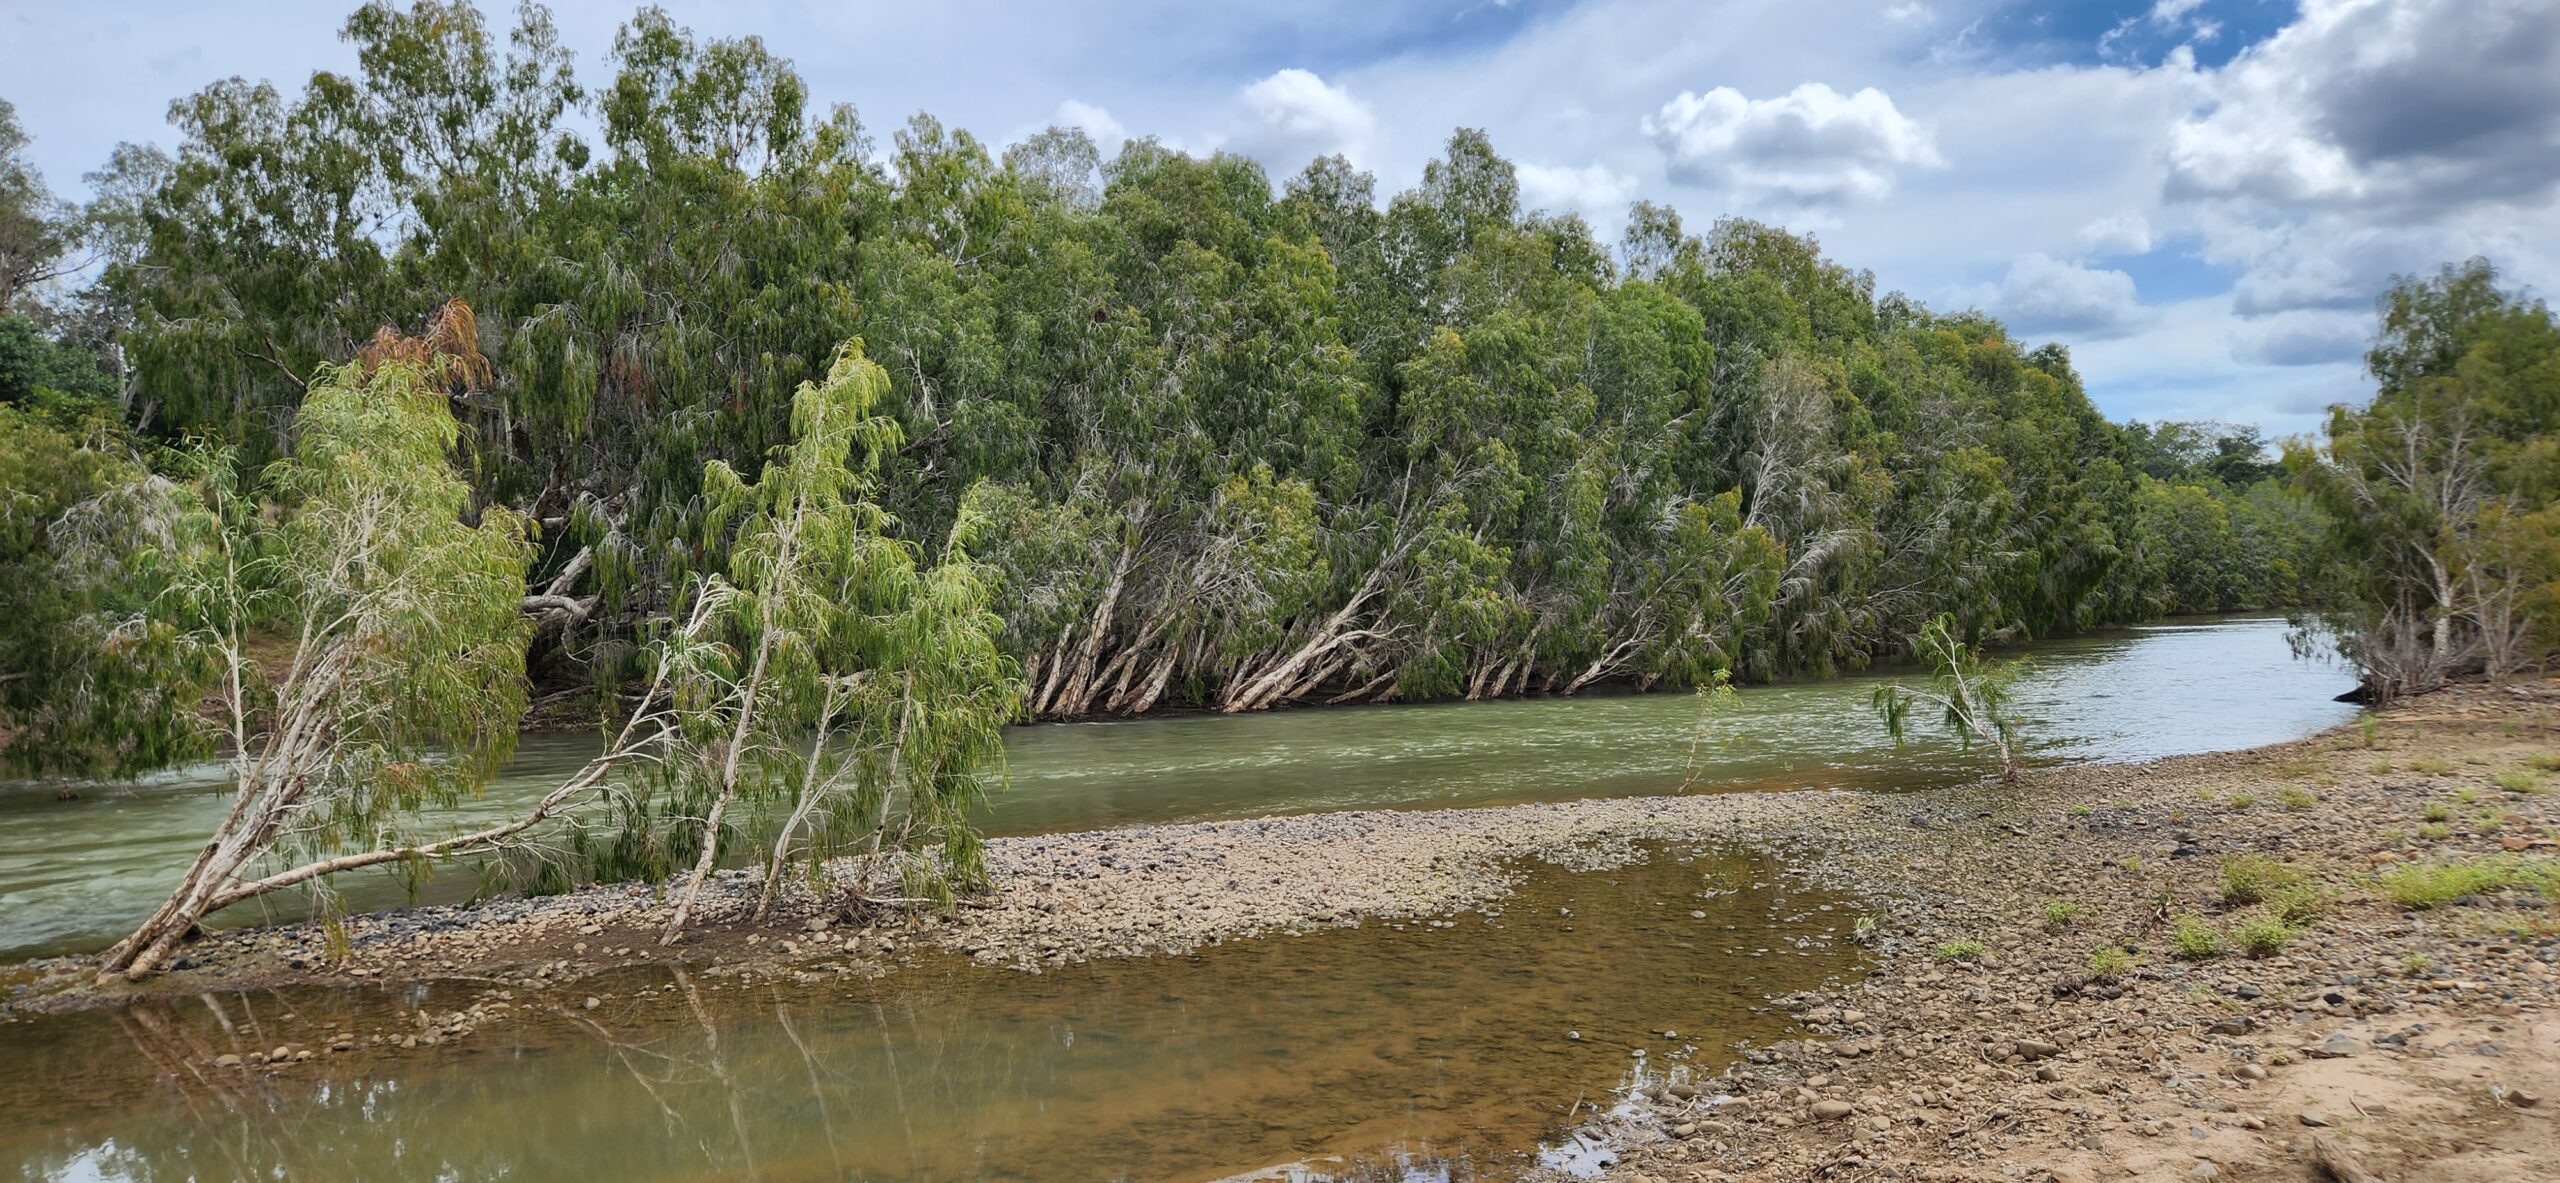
1223,450
826,673
2518,780
2433,885
2251,878
2061,913
1970,694
2296,798
2195,938
2264,936
2109,963
1954,951
2441,531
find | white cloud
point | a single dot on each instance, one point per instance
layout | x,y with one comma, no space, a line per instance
2118,234
2305,338
1809,146
1596,191
2043,294
1294,116
2403,104
1910,14
1107,133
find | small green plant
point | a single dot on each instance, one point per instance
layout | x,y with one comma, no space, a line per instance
2108,963
2431,766
1864,931
2382,768
2518,780
2370,727
1969,693
2490,821
2081,811
2434,832
2301,904
2061,913
2436,811
2195,938
2416,965
2251,878
2265,936
2243,800
2546,761
1960,951
2467,796
2433,885
2131,862
2296,798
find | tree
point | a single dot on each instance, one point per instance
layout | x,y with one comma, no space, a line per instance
362,637
832,673
2435,494
1970,694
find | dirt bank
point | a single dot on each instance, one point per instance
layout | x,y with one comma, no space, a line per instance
2407,1042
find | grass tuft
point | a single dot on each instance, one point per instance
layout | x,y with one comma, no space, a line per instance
2195,938
2433,885
2252,878
1960,951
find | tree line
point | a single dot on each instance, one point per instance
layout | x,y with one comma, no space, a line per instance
770,430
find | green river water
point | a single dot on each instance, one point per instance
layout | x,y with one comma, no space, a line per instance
1412,1052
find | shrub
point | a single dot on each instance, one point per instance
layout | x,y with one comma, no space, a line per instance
2433,885
1960,951
2265,936
2108,963
2434,832
2251,878
2081,811
2301,904
2518,780
2195,938
2243,800
2436,811
2296,798
2467,796
2060,913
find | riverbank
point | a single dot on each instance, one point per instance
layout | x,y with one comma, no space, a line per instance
1980,1042
2401,1022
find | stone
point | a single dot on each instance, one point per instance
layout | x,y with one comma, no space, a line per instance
1831,1110
2037,1049
226,1061
2250,1072
2337,1047
2522,1099
2236,1025
2315,1119
592,1002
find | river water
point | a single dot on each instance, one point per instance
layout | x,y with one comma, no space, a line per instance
1410,1052
76,873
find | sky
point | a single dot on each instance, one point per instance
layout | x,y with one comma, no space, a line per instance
2200,198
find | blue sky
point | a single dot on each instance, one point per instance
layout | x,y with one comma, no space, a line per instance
2199,197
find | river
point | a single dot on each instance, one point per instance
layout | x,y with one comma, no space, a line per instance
76,872
1442,1051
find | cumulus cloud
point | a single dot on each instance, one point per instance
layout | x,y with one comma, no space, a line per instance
1294,116
2408,104
2119,234
1596,191
1106,132
2043,294
1910,14
1810,146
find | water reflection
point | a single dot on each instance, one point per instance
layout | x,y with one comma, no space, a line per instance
1380,1053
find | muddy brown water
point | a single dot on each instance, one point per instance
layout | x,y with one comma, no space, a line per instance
1411,1051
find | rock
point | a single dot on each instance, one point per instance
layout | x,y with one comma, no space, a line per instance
2250,1072
2315,1119
281,1053
2522,1099
2037,1049
2236,1025
2338,1047
592,1002
2204,1170
1686,1129
1831,1110
226,1060
816,924
2047,1073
